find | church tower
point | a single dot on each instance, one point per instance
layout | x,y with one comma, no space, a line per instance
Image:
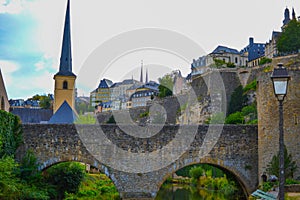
287,18
64,88
141,77
294,15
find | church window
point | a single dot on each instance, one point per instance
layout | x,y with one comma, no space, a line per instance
2,104
65,85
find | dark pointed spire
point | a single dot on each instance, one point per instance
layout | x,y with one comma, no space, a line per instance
146,75
286,16
141,77
65,66
293,15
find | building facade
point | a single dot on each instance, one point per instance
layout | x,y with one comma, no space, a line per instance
102,93
253,51
221,53
143,94
271,50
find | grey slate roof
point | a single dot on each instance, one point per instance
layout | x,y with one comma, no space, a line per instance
222,49
105,83
32,115
65,67
64,115
151,85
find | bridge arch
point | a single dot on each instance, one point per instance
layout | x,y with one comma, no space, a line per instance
239,179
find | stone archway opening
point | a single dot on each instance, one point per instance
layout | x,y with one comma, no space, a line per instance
95,184
211,182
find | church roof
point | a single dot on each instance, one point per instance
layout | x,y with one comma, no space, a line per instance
65,66
64,115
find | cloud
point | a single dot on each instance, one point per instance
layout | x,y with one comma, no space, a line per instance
7,69
11,6
45,64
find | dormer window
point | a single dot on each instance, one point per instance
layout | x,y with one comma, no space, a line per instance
65,85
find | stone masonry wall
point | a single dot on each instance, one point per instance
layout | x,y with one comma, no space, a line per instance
268,116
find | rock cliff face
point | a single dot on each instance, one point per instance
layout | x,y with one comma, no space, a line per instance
182,110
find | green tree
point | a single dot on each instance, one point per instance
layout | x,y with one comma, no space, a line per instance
289,165
9,183
166,86
196,172
10,133
45,102
66,177
29,167
289,41
237,100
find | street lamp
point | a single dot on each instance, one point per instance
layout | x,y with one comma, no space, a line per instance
280,79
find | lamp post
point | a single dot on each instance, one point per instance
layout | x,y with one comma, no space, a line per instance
280,79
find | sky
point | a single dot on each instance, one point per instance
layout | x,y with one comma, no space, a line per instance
111,38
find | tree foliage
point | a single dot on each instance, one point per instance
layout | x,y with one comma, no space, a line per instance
289,165
10,134
264,60
165,86
44,100
237,100
196,172
289,41
235,118
29,167
66,177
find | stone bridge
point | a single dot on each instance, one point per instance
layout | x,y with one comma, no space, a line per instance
119,155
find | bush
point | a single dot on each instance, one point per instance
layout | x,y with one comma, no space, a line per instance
235,118
267,186
290,181
264,60
230,65
250,86
144,114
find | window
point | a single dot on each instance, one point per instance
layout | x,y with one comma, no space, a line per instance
2,104
65,85
236,60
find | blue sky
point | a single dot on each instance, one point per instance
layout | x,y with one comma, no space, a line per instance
21,60
31,34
